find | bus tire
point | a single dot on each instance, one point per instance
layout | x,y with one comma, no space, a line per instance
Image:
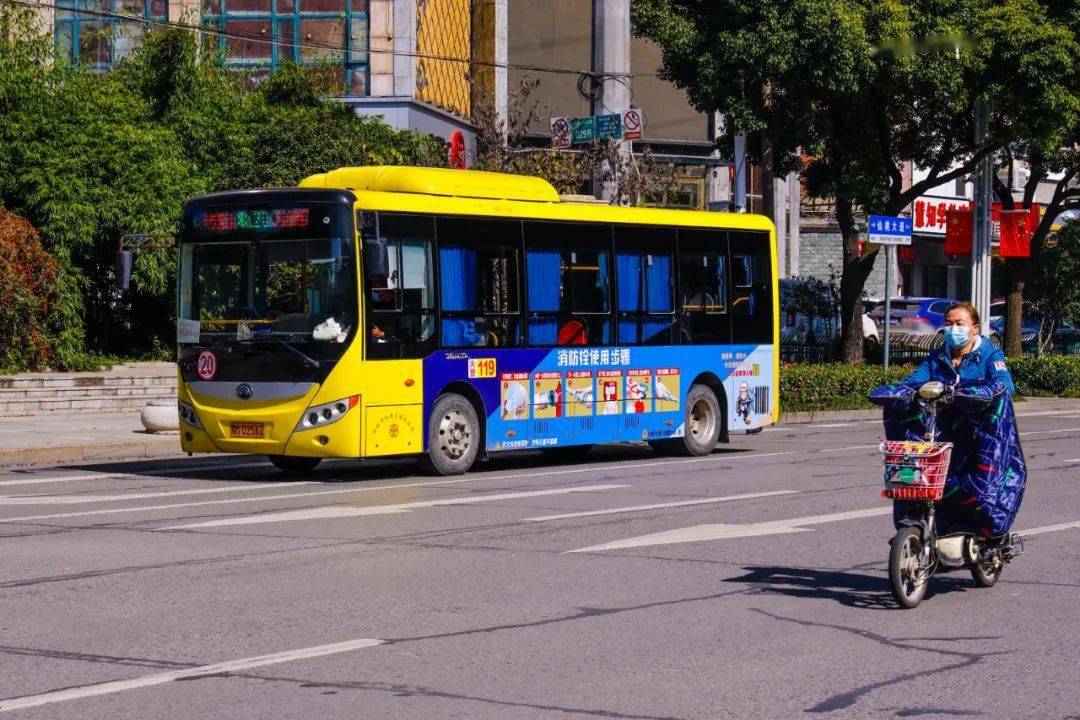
294,465
701,424
453,436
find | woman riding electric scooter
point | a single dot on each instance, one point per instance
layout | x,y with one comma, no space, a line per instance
954,501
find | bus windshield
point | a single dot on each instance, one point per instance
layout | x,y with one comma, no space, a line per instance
274,282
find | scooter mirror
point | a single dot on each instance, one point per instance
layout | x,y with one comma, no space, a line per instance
932,390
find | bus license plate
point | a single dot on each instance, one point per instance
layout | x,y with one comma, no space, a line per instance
247,430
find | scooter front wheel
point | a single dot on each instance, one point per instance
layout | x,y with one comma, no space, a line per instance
908,576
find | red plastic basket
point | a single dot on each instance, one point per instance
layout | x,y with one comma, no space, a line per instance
915,470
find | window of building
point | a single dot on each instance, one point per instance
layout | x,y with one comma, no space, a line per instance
98,42
401,302
262,34
479,264
703,283
751,288
644,282
935,281
568,269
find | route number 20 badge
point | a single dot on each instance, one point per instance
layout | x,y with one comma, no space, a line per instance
206,365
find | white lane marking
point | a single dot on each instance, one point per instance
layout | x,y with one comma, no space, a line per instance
1046,432
640,508
471,478
83,499
716,531
340,511
1044,413
115,476
833,425
1049,528
1073,460
230,666
849,447
233,501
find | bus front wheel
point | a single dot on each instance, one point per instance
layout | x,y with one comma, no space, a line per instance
453,436
291,465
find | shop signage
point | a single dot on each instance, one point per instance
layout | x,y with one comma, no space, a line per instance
929,214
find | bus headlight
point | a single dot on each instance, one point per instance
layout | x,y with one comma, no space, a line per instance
320,415
188,414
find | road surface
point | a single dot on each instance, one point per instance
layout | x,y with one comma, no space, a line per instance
750,583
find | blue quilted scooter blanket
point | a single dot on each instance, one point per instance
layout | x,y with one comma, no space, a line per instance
987,473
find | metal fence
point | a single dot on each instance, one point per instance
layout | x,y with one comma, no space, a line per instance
903,349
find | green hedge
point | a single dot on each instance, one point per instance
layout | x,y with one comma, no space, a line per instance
1049,376
845,387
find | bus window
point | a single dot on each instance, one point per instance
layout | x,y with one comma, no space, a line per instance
751,288
401,303
568,276
478,277
703,288
644,284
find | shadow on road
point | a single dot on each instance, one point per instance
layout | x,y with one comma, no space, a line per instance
852,589
256,468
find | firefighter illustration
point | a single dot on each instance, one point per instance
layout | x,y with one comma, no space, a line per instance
744,406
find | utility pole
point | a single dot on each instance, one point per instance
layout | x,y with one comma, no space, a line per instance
611,61
980,245
740,173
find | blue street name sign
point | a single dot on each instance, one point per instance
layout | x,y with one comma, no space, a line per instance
609,126
888,230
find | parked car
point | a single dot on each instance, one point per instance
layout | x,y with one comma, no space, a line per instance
921,320
1066,335
796,327
914,315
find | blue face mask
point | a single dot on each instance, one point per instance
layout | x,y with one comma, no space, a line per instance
956,336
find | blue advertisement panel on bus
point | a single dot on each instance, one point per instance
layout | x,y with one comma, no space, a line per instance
536,398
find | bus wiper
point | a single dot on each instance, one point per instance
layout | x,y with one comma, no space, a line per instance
308,360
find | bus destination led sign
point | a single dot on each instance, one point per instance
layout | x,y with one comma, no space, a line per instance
257,220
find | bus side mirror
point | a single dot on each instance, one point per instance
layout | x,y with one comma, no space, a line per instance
122,270
377,258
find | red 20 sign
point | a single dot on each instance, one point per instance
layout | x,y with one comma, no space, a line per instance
206,365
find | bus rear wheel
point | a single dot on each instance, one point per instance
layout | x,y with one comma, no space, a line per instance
291,465
453,436
702,424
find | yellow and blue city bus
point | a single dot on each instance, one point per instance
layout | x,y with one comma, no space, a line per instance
391,311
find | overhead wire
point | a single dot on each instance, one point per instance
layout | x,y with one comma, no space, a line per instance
623,78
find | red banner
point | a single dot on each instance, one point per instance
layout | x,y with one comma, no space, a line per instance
958,232
1017,227
1015,230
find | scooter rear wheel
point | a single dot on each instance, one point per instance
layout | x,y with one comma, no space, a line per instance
907,575
988,573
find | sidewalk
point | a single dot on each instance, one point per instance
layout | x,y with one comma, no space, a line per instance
65,438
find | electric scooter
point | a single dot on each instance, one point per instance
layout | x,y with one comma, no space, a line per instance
916,472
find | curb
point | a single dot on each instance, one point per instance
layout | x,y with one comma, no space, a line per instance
1023,407
161,446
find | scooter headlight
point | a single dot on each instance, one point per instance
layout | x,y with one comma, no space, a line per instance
331,412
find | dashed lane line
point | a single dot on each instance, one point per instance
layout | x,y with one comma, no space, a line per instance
339,511
127,476
222,668
660,506
84,499
717,531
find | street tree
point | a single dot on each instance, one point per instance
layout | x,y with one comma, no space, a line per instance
1053,293
1055,161
847,92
